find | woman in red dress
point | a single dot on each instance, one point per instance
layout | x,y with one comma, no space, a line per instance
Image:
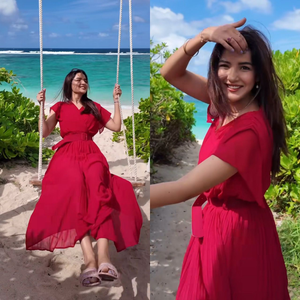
80,199
234,252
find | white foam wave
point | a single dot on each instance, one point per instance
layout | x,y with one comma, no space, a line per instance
53,52
67,53
124,53
11,52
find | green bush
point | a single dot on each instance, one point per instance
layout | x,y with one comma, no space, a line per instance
171,117
165,120
18,124
284,194
142,131
289,235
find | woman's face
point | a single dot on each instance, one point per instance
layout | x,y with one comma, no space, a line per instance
237,76
79,84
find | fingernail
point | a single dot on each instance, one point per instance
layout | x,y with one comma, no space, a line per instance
242,51
232,50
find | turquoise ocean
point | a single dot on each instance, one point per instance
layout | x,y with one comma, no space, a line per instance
201,127
99,64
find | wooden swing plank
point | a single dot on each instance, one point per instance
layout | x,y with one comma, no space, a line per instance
137,184
35,182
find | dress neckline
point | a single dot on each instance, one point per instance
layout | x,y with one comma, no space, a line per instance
247,113
76,106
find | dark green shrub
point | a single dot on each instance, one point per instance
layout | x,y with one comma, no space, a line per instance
142,131
19,137
289,235
165,120
171,117
284,194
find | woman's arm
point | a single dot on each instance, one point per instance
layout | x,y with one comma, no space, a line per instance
114,124
50,123
206,175
174,69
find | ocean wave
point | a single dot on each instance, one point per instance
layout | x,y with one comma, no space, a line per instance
51,52
124,53
67,53
11,52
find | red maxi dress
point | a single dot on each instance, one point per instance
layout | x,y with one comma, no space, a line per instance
234,252
79,195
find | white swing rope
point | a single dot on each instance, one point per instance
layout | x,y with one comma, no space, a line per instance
132,90
117,81
118,69
42,103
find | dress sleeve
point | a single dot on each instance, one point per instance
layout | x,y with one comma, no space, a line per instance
240,147
56,108
104,115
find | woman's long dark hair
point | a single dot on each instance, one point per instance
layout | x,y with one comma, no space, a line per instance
88,104
267,94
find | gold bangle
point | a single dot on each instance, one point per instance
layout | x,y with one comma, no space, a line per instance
184,49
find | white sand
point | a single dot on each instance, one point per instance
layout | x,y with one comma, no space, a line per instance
44,275
170,228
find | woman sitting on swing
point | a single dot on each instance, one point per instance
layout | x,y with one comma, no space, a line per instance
80,198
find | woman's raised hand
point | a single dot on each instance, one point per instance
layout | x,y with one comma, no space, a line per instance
41,96
227,35
117,92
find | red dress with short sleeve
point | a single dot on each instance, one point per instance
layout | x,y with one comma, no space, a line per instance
234,252
79,195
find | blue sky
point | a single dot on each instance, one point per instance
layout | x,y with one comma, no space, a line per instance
174,21
73,23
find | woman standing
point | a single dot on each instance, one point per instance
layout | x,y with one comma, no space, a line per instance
234,252
80,198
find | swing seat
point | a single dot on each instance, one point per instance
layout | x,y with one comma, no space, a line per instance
35,181
135,184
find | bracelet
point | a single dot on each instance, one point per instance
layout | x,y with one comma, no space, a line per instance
184,49
117,101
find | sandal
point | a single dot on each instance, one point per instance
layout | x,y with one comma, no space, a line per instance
87,275
112,273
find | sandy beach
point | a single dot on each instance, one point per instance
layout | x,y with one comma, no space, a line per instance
170,229
27,275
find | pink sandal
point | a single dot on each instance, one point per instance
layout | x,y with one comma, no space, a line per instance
87,275
112,273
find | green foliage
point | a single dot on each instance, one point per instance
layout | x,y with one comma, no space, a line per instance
289,235
6,76
171,117
284,194
142,131
18,124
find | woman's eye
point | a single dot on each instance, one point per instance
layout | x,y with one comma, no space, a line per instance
223,66
245,68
